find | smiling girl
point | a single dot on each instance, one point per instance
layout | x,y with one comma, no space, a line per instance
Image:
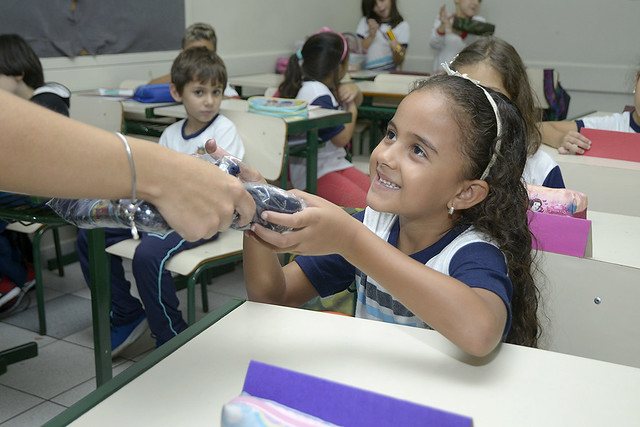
444,241
383,51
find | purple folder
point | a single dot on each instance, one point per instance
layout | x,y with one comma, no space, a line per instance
341,404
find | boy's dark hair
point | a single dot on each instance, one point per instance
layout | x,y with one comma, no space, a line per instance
200,31
321,55
503,214
198,63
367,11
18,59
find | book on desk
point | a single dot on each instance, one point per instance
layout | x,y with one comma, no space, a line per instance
613,145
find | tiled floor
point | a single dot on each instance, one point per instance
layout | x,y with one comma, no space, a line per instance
35,390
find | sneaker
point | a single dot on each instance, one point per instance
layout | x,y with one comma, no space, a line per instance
124,335
8,293
31,279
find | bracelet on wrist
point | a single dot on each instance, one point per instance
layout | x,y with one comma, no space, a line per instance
132,207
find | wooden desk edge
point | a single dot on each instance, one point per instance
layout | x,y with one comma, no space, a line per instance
79,408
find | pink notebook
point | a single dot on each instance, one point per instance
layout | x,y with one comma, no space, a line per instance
560,234
613,145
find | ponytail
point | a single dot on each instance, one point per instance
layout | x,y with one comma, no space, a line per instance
292,78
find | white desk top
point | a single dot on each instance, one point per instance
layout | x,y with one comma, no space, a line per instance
260,81
513,386
615,237
611,185
177,110
387,89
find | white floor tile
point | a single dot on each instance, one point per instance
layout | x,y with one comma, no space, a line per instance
36,416
15,402
70,397
58,367
11,336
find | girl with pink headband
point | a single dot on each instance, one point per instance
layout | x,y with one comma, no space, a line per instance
314,74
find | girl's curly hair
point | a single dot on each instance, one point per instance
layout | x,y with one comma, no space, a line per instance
503,214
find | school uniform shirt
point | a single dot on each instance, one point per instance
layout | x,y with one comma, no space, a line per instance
447,46
331,158
53,96
220,128
379,54
619,122
542,169
463,253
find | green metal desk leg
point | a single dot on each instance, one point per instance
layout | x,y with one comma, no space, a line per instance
39,286
100,304
312,161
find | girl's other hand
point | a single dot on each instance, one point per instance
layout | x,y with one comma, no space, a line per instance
446,24
321,228
373,26
574,143
349,93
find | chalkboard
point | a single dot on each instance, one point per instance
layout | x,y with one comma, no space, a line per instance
74,27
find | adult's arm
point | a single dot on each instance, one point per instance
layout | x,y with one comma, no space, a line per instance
47,154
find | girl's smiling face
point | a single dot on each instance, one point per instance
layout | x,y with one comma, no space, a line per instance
416,169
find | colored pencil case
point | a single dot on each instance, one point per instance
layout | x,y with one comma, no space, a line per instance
279,107
559,201
249,411
153,93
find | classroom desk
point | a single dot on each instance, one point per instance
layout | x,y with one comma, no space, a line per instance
512,386
100,292
615,238
259,81
610,185
319,118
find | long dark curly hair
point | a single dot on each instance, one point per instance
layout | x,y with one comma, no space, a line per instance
503,214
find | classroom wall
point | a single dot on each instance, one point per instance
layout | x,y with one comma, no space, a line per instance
597,58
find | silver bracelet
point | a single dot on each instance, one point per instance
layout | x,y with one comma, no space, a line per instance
132,207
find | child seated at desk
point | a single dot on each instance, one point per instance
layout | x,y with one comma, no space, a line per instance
313,74
444,241
198,77
566,136
21,74
381,20
497,64
198,34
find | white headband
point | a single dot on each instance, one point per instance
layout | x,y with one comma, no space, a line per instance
451,72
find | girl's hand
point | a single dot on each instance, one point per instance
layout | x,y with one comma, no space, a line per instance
247,173
394,45
446,24
350,93
321,228
373,26
574,143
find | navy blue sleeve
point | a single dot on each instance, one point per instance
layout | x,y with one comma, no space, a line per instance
329,274
481,265
327,133
554,179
